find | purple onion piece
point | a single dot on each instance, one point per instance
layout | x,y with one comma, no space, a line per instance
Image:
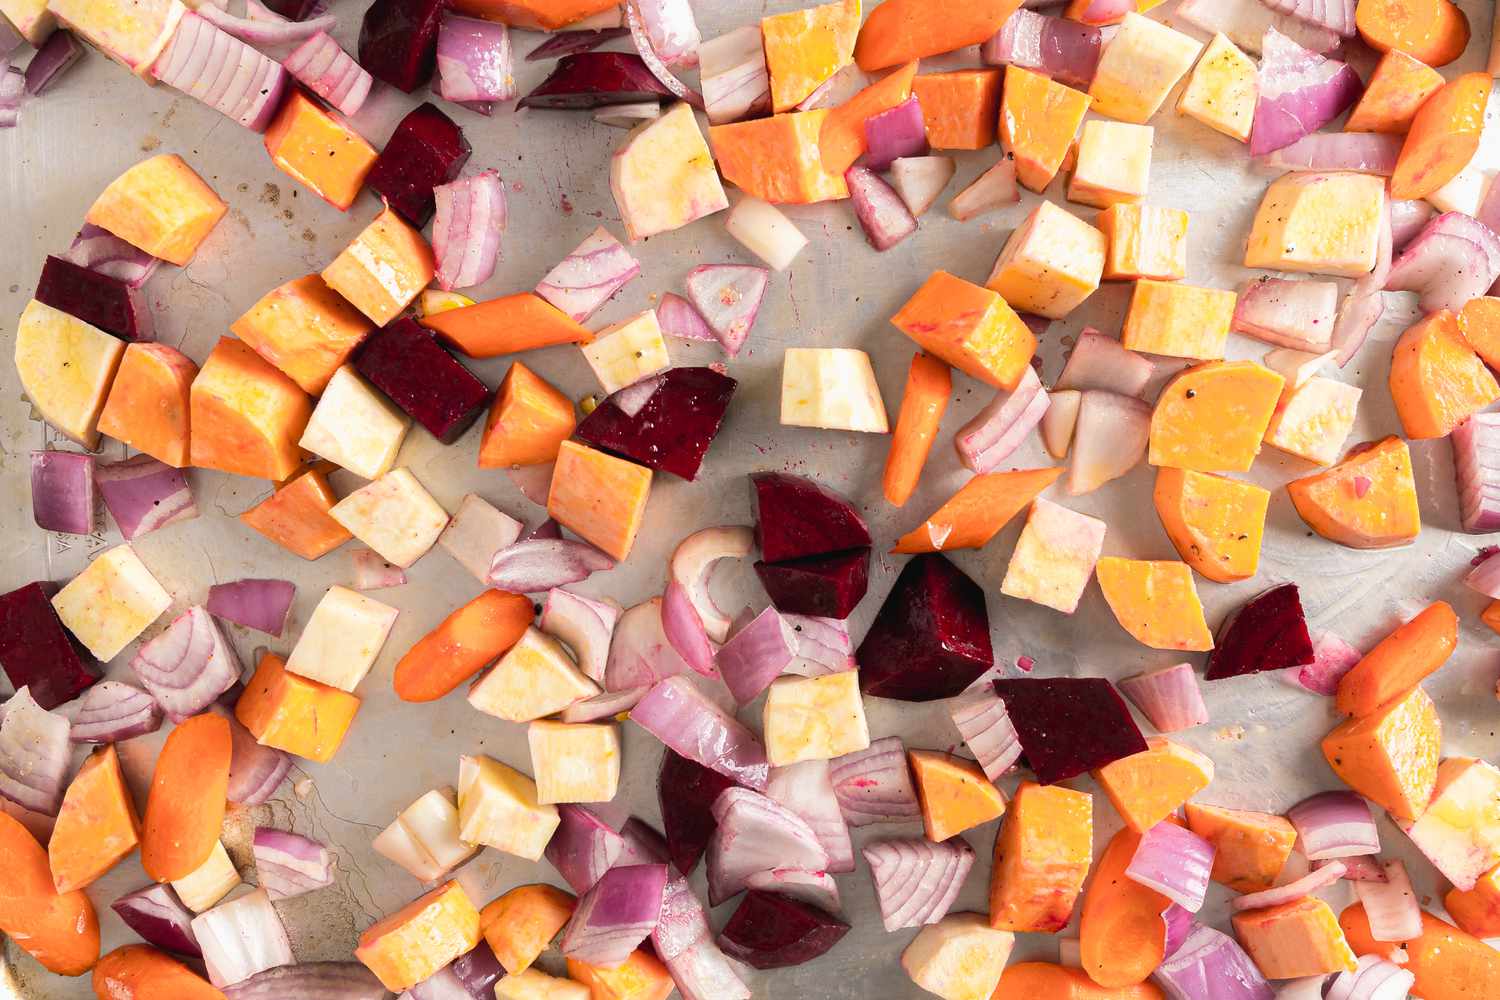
160,918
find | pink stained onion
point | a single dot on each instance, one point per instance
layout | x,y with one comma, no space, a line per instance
1374,978
993,189
917,881
12,90
677,712
1099,361
290,865
1363,868
322,66
1179,924
615,915
640,35
1335,825
241,938
1362,152
640,655
920,179
62,491
539,565
1170,697
535,483
589,276
1246,22
1485,577
603,706
586,625
1335,15
474,60
1408,218
1175,862
259,604
692,566
1332,659
471,218
728,296
756,834
111,712
100,250
1210,965
1476,466
544,529
59,52
1110,437
672,30
583,848
1300,92
806,788
34,754
1287,313
643,844
188,665
312,981
680,318
756,655
881,212
998,429
685,943
1392,906
144,495
156,914
223,72
255,771
987,731
1066,50
264,30
874,785
894,133
1453,259
567,43
10,39
736,83
684,630
813,888
476,532
821,646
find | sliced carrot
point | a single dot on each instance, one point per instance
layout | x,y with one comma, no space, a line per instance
955,794
929,387
961,108
148,402
1367,501
59,930
1155,601
520,924
977,512
1250,848
1147,787
407,946
1400,661
841,141
140,972
641,977
1397,88
899,31
296,516
1478,321
1121,935
507,325
1298,938
294,713
464,643
541,15
1391,755
1039,119
1045,981
969,326
185,810
599,497
805,47
1434,31
1448,964
97,825
528,422
247,417
304,328
778,159
1437,380
1215,523
1443,138
1477,910
1042,856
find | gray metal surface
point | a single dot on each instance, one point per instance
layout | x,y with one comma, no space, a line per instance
1263,734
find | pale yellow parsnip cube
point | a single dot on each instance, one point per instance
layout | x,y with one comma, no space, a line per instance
1221,92
31,18
66,367
961,957
342,639
423,839
627,352
833,388
663,177
1313,420
814,718
534,679
1054,557
575,762
131,32
1114,163
355,427
1320,223
111,602
1178,320
1139,67
210,882
394,515
498,807
161,206
1049,265
1460,830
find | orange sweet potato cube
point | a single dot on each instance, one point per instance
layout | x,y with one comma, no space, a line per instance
961,108
970,327
321,151
420,938
777,159
1398,87
1145,241
1042,856
1039,119
1391,755
1295,939
246,417
1477,910
1147,787
528,422
1178,321
295,713
806,47
161,206
148,406
599,497
1437,380
1213,416
97,825
640,977
304,328
296,516
384,269
1250,848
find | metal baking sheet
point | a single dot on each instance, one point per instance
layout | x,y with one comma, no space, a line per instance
1263,737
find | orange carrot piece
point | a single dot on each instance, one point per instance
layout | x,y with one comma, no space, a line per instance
140,972
527,423
1391,755
978,511
1400,661
1433,31
1491,616
148,403
1045,981
641,977
246,416
1448,964
97,825
899,31
320,150
1436,379
520,924
599,497
59,930
1477,910
1444,136
407,946
185,810
1298,938
805,47
1398,87
296,516
464,643
841,141
304,328
1478,321
1250,848
961,108
1120,931
929,387
1042,856
955,794
293,713
778,159
507,325
1147,787
539,15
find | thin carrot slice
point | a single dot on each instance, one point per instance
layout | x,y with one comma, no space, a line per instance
978,511
1120,931
185,810
59,930
97,825
1443,138
507,325
929,387
468,640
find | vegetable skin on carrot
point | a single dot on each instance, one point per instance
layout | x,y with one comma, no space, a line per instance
468,640
1434,31
929,387
1400,661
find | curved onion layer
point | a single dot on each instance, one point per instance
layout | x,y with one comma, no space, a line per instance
640,654
756,834
268,28
144,495
223,72
685,943
874,785
1063,49
692,566
615,915
474,60
916,881
672,30
642,844
373,573
1099,361
538,565
756,655
1332,659
736,82
310,981
1408,218
609,705
1365,303
241,938
1363,152
1335,825
322,65
259,604
1179,924
806,788
1286,313
728,296
1175,862
34,754
100,250
61,50
635,20
998,429
1391,904
677,712
1211,964
12,89
1476,467
987,731
583,848
586,625
1335,15
680,318
1453,259
188,665
813,888
1170,698
255,771
1485,576
1374,978
821,646
111,712
995,188
589,276
881,213
1110,436
1246,23
471,217
289,864
893,134
1318,878
159,917
1300,92
684,629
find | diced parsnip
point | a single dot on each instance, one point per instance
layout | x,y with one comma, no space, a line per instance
1295,939
111,602
527,423
1437,380
305,329
970,327
383,269
1477,910
420,938
1042,857
478,530
1460,830
1145,241
313,146
148,403
296,517
960,108
341,640
1139,67
1390,756
833,388
1054,557
533,985
805,47
1148,787
534,679
1215,523
1038,120
1367,501
96,826
814,718
66,368
30,18
394,515
1177,320
209,882
355,427
423,839
1156,602
958,958
1314,420
776,159
663,176
955,794
1050,264
628,352
765,231
1323,223
519,925
1250,848
293,713
1222,90
600,497
246,416
159,205
574,762
1397,88
1114,163
497,807
1212,417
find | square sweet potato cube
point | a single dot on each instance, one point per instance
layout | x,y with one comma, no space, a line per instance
599,497
970,327
1177,320
384,269
304,328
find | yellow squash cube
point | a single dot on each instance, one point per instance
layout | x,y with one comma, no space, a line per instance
1155,601
1313,420
66,368
814,718
131,32
1114,164
160,206
341,640
1054,557
498,807
534,679
1139,67
384,269
1222,90
628,352
574,762
663,177
394,515
1321,223
1145,241
1051,264
111,602
833,388
1177,320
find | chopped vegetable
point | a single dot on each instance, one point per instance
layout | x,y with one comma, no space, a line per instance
756,834
424,839
111,602
1042,856
323,66
1334,825
471,217
158,916
295,714
1169,697
34,754
917,881
771,931
290,865
144,495
186,806
679,714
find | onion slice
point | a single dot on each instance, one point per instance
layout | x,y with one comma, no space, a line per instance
188,665
567,43
987,731
144,495
679,318
615,915
209,64
583,848
59,52
100,250
322,65
1453,259
373,573
311,981
684,630
736,83
1335,825
920,179
1170,697
1209,963
821,646
1476,466
998,429
756,655
12,89
1175,862
159,917
881,213
641,36
263,31
893,134
606,705
756,834
692,565
263,605
1099,361
1064,49
474,60
1285,313
472,213
538,565
728,296
242,937
1394,912
679,714
1373,978
993,189
1246,22
62,491
874,785
813,888
34,754
640,655
111,712
1110,437
1362,152
684,942
672,30
806,788
255,771
589,276
290,865
1335,15
586,625
916,881
1300,92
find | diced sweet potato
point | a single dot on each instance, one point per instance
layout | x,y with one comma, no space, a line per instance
1295,939
805,47
960,108
1050,264
296,517
1437,380
1212,417
931,638
305,329
160,206
970,327
1139,67
314,147
97,825
1177,320
1069,725
1054,558
1146,788
1038,120
1448,964
66,367
1477,910
1250,848
955,794
520,924
528,422
1042,856
1267,632
294,713
427,383
507,325
1396,90
1391,755
1444,136
1479,322
1215,523
777,159
1325,223
977,512
417,940
384,269
1145,241
1121,935
1155,601
842,137
148,403
599,497
1367,501
247,417
641,977
1400,661
663,177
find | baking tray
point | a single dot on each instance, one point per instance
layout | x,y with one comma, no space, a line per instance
1263,735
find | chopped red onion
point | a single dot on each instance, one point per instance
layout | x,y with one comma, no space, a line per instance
159,917
643,844
916,881
881,212
874,785
920,179
1363,152
728,296
1210,965
1374,978
474,60
640,34
1484,577
568,43
100,250
12,89
672,30
685,943
223,72
290,865
586,625
263,605
994,188
607,705
683,717
1335,825
311,981
1179,924
1363,868
188,665
821,646
1175,862
813,888
10,39
62,491
60,51
1170,697
1335,15
756,655
1246,22
322,65
589,276
1110,436
639,653
987,731
143,495
806,788
1476,465
265,30
538,565
34,754
1332,659
583,848
1099,361
241,938
255,771
692,565
1408,218
471,217
756,834
894,133
1284,312
1455,258
628,116
615,915
1362,308
1065,50
736,83
373,573
1394,912
679,318
111,712
684,629
478,970
1300,92
998,429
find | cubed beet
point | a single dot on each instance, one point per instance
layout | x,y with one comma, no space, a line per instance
827,586
405,362
796,517
97,299
426,149
672,429
771,931
1268,633
36,650
595,80
931,638
292,10
398,41
687,791
1069,725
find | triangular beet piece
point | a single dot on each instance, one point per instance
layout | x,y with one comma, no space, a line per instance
37,652
1268,633
771,931
427,149
1069,725
666,423
931,638
398,41
827,586
796,517
687,791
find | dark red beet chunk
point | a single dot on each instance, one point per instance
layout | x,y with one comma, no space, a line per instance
1268,633
398,41
36,651
687,791
827,586
672,431
770,931
408,365
595,80
931,638
427,149
292,10
796,517
95,298
1069,725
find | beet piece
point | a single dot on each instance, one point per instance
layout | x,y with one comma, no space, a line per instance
37,652
426,149
675,426
931,638
97,299
796,517
1069,725
771,931
1268,632
827,586
292,10
405,362
596,80
687,791
398,41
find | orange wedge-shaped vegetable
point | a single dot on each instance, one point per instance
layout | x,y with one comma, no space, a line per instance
1443,138
1147,787
539,15
247,417
899,31
1397,88
955,794
1400,661
185,809
1367,501
1477,910
805,47
1391,755
1434,31
161,206
970,327
1042,856
1437,380
59,930
320,150
1155,601
961,109
1296,939
929,386
464,643
140,972
1215,523
527,423
1045,981
417,940
507,325
977,512
778,159
1038,120
304,328
97,825
1250,848
842,138
296,516
520,924
294,713
1448,963
641,977
1212,417
599,497
1121,935
1478,321
148,402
